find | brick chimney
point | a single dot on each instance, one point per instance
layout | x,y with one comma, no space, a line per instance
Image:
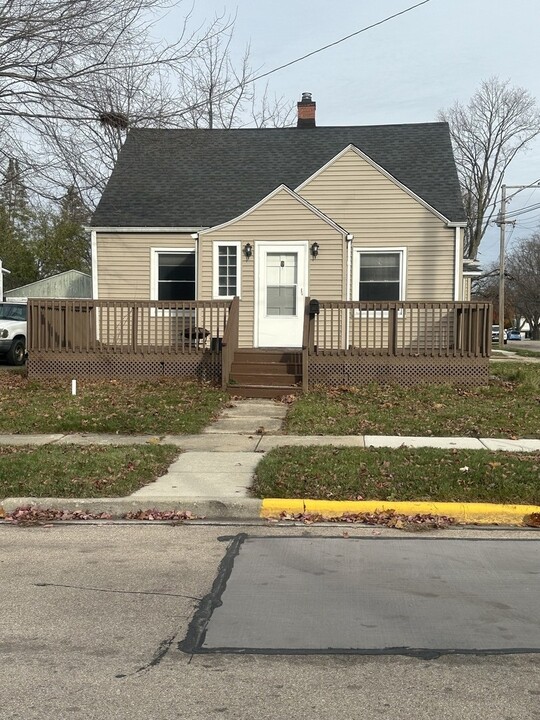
306,111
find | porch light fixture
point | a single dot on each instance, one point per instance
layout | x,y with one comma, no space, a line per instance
248,250
315,249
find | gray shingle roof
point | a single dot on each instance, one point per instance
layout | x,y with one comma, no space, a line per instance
201,178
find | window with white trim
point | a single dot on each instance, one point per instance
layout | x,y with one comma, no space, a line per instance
226,270
378,275
173,274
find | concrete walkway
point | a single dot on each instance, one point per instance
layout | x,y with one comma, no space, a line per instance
219,463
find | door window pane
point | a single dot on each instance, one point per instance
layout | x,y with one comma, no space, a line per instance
280,300
281,282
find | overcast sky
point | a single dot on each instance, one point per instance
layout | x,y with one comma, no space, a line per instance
400,72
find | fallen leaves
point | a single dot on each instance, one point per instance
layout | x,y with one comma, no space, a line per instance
170,515
28,515
388,518
532,520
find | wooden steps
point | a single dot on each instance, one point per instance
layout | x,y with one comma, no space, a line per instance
265,373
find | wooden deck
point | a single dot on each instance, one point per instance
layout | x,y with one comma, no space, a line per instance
344,343
407,343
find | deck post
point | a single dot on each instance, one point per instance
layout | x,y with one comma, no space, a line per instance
306,345
134,328
392,330
229,344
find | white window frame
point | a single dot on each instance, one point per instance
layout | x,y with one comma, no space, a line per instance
215,268
155,252
402,251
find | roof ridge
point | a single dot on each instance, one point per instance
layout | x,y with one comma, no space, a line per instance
435,123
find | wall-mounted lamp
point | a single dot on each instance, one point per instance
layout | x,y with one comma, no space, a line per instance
315,249
248,250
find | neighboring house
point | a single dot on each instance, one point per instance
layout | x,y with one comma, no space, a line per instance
3,271
273,216
68,284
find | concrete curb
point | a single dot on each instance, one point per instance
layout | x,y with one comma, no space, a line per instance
463,513
255,509
216,508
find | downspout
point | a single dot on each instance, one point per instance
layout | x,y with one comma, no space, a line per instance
349,238
94,261
195,236
458,264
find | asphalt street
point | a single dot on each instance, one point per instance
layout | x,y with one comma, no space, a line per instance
91,618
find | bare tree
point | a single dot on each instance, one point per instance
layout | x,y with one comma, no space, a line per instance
486,287
84,155
523,264
498,122
219,91
207,90
75,75
68,64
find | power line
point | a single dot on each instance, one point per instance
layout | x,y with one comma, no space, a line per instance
337,42
531,224
522,211
249,81
523,187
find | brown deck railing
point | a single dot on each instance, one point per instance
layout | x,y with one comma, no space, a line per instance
394,329
126,326
230,341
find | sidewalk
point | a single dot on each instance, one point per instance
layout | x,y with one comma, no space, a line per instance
212,476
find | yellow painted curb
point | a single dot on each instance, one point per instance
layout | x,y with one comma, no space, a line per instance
464,513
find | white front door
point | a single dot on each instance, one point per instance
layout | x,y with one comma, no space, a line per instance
280,293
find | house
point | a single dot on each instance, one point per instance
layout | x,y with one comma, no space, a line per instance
68,284
3,271
351,217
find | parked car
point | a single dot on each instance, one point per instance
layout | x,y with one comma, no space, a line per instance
513,334
495,334
13,332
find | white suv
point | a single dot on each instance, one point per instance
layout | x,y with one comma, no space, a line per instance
13,332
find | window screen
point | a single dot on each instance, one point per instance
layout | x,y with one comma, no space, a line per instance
176,276
379,276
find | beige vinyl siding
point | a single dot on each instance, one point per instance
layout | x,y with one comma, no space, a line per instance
279,219
379,213
123,261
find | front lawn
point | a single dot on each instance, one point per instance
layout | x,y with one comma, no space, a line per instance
81,472
524,352
159,408
327,473
508,407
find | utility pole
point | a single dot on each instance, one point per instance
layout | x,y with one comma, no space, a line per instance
501,266
502,222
